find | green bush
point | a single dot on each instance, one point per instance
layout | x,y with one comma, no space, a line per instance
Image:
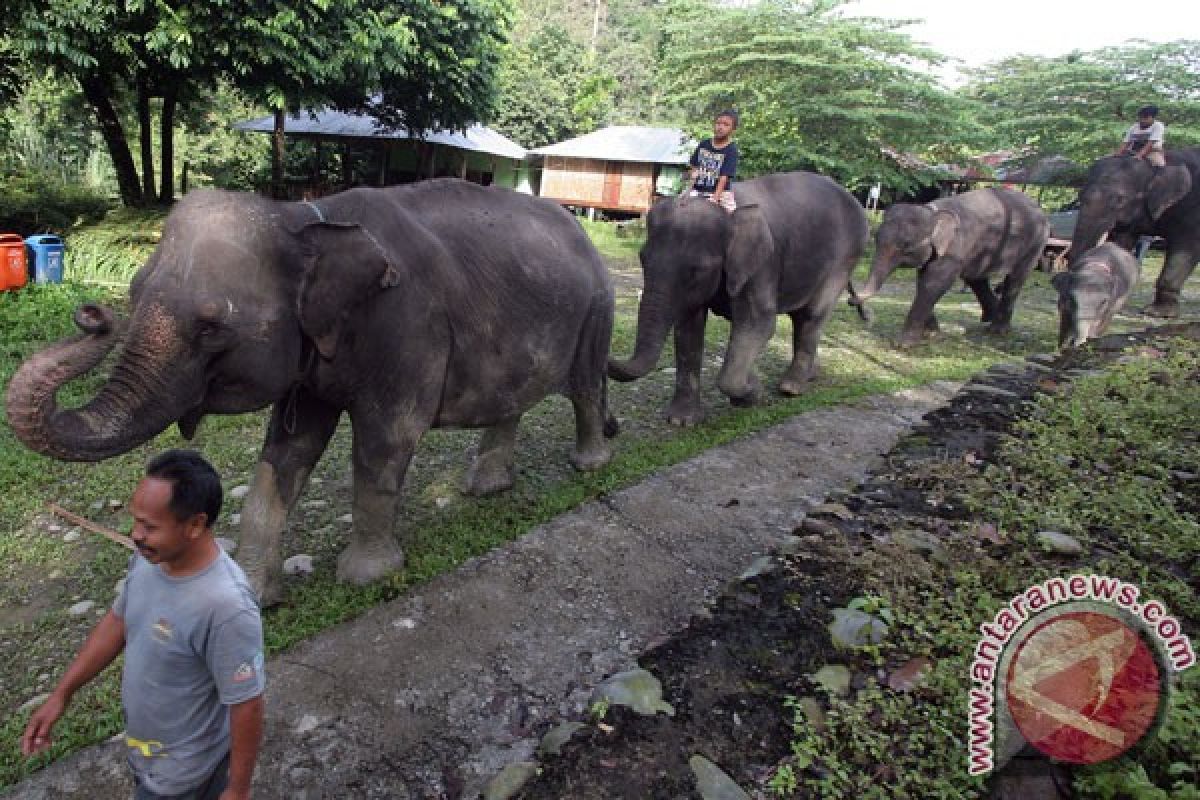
34,202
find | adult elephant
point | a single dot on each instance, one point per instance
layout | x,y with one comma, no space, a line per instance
975,236
1126,197
441,304
788,249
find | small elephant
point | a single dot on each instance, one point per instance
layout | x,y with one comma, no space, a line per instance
789,249
976,236
1094,289
1127,197
439,304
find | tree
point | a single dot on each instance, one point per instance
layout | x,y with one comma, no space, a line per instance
816,91
417,62
1080,105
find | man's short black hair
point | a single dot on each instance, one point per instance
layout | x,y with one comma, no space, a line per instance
195,485
729,112
1148,111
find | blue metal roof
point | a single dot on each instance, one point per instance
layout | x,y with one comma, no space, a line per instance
336,123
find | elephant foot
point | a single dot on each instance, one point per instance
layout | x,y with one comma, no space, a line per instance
361,564
1163,309
591,458
998,329
267,586
684,414
909,338
488,476
793,387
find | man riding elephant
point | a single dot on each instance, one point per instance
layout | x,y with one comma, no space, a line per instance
1128,197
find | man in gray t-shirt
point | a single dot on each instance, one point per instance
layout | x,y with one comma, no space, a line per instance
190,629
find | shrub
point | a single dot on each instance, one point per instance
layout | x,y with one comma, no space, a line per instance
35,202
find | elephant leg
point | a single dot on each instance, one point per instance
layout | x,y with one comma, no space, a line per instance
492,470
591,447
986,297
296,438
381,456
1178,267
1001,322
589,391
932,282
685,408
806,334
750,335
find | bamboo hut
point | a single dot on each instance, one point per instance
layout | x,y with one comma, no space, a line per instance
620,168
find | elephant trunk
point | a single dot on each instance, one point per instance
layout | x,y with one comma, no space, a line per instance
125,413
1090,230
653,325
881,267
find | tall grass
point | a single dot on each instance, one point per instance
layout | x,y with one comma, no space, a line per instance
111,252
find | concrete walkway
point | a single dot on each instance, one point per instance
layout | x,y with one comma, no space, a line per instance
432,694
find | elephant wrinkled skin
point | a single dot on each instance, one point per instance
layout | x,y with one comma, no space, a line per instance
975,236
1127,197
440,304
1093,290
788,249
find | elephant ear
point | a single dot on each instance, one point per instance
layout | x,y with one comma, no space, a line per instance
945,229
343,264
1167,187
750,246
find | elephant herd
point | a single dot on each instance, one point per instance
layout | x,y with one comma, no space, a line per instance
446,304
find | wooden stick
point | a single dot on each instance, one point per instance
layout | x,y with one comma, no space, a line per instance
94,527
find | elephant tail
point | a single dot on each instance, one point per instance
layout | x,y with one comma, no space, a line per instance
863,312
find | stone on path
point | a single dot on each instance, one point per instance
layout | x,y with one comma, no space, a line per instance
835,678
636,689
301,565
81,608
72,536
510,780
559,735
1059,543
713,783
238,492
854,628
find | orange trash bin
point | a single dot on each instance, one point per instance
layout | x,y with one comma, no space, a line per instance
13,271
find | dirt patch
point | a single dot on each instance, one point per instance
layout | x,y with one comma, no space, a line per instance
729,675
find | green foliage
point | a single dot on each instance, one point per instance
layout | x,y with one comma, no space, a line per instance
111,251
816,91
420,63
1080,105
39,202
539,87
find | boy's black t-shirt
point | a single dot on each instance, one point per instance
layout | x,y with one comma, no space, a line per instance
713,162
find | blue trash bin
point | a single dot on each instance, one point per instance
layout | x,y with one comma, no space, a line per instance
47,261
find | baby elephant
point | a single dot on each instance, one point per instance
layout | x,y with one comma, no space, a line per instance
1095,288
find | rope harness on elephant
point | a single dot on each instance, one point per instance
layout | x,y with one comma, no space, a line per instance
308,359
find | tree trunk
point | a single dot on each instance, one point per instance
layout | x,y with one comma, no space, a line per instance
277,151
96,92
167,192
146,137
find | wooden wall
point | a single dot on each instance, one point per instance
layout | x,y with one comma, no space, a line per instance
593,183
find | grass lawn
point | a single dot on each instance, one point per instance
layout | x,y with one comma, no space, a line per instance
42,574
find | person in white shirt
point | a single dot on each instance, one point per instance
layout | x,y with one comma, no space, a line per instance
1144,139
